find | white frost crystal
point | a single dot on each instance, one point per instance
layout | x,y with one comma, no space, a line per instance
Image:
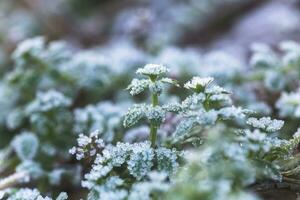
138,86
152,70
26,145
87,145
289,104
47,101
266,123
198,83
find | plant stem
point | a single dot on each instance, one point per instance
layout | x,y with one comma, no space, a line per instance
153,133
154,100
206,103
153,128
12,179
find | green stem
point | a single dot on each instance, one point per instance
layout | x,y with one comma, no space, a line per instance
154,100
206,103
153,128
153,133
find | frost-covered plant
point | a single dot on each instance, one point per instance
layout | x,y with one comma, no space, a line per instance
205,107
29,194
266,124
154,113
203,178
278,72
117,169
26,145
274,71
50,117
105,117
289,104
51,99
246,156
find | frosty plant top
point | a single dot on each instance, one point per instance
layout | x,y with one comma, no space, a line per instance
155,74
154,113
153,70
198,84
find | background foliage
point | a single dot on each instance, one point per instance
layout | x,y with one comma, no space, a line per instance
210,112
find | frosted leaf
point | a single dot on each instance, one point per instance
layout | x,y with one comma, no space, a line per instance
260,107
167,160
170,81
222,98
156,87
15,118
89,69
32,46
110,189
289,46
138,86
140,162
156,115
132,160
134,114
33,194
266,123
87,146
47,101
233,112
137,134
192,101
88,119
216,90
288,104
207,118
26,145
173,107
263,57
105,117
145,189
198,84
185,127
274,81
62,196
292,52
153,70
221,65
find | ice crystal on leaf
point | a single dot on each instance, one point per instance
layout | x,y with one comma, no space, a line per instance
155,115
49,114
26,145
134,114
289,104
88,146
292,52
198,84
105,117
153,70
263,57
266,124
147,189
47,101
138,86
32,46
135,161
33,194
233,112
154,83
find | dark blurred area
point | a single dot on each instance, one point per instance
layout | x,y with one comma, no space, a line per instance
229,25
